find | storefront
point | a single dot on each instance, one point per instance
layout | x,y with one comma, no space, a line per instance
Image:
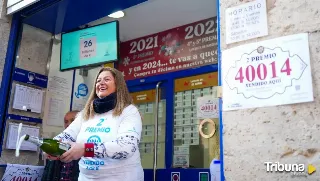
170,64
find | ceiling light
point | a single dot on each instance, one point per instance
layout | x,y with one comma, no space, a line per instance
118,14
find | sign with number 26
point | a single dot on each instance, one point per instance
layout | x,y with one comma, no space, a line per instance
272,72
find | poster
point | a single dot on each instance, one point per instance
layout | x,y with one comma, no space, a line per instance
144,97
246,21
196,82
267,73
57,99
184,47
57,108
15,172
207,107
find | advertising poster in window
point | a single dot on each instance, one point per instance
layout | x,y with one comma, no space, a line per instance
267,73
246,21
181,161
185,47
207,107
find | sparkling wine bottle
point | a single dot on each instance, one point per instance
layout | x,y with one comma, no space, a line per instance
49,146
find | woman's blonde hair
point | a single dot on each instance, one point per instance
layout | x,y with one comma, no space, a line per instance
124,98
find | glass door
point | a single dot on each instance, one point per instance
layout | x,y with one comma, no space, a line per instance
151,102
196,121
187,117
195,128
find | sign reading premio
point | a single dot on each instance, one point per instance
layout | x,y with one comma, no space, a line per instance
267,73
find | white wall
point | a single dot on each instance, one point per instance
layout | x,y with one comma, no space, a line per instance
57,102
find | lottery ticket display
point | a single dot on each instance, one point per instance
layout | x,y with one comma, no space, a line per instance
146,145
186,123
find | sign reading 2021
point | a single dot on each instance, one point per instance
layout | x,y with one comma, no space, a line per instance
272,72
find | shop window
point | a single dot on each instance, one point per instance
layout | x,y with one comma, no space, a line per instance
144,100
191,149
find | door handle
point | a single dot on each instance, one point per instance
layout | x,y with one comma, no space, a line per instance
155,156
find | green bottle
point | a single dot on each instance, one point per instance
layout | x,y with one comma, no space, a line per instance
49,146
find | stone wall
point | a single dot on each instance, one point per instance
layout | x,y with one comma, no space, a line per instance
5,24
288,134
32,56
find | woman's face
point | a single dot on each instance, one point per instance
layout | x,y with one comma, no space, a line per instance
105,84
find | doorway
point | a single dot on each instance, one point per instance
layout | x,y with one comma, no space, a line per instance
175,109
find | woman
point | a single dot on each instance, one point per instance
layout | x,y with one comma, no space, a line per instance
106,134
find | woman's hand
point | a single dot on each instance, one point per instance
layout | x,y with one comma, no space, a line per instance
74,153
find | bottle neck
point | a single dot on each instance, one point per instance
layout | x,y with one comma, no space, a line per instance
35,140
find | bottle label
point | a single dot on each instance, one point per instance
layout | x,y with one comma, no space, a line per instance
64,146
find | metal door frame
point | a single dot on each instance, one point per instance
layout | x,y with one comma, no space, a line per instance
152,85
168,83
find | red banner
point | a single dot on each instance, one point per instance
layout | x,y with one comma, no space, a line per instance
184,47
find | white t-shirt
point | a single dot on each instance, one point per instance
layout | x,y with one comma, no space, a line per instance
116,140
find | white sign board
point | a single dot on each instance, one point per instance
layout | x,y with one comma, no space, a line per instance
26,129
12,2
17,5
16,172
246,21
267,73
58,92
207,107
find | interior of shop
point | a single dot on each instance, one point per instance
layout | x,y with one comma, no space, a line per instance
186,143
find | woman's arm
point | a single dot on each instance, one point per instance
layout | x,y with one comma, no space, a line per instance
128,137
70,134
